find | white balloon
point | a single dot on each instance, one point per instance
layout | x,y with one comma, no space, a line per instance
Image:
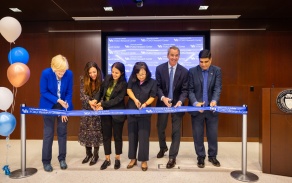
10,28
6,98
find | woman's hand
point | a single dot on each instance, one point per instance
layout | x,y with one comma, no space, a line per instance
137,103
64,119
143,106
99,108
92,104
63,103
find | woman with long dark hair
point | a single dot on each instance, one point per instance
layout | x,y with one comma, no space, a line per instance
90,133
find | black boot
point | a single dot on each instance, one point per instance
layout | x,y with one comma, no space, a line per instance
88,155
95,156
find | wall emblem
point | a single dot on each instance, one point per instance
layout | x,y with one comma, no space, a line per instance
284,101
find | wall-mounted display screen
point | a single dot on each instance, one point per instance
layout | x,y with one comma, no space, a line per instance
151,48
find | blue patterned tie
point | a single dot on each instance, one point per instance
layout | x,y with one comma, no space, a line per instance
170,90
205,88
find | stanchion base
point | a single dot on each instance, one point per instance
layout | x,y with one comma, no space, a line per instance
248,177
17,174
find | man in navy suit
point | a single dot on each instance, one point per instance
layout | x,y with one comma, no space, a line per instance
205,84
171,96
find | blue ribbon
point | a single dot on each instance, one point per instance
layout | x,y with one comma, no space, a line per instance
147,110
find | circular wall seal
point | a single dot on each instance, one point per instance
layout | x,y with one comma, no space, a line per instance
284,101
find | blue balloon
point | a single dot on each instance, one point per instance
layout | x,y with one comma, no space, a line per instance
7,123
18,54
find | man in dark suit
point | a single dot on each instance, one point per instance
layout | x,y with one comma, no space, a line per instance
171,95
205,84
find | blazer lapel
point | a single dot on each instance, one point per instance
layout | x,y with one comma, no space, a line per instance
200,75
53,77
166,75
210,76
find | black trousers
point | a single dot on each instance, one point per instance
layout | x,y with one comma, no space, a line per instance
112,127
176,120
138,133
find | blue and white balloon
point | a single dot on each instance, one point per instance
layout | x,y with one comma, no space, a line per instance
7,123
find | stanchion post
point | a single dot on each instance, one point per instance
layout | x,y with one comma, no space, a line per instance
23,172
243,175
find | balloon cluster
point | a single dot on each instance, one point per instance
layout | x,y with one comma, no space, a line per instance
18,73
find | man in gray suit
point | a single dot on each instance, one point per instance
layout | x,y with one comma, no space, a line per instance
172,82
205,84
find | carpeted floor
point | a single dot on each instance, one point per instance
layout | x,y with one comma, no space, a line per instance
186,169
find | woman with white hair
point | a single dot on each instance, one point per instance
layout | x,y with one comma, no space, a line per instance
56,93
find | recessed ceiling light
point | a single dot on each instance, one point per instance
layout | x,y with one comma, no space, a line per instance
15,9
203,7
108,8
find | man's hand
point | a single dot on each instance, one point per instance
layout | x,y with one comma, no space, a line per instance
213,104
167,101
178,104
200,104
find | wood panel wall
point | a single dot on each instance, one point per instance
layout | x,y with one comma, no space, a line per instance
248,58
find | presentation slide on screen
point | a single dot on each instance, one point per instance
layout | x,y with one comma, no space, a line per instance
152,50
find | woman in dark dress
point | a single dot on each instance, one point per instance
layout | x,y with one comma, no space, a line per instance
90,133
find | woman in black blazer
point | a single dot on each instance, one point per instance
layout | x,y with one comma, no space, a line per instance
112,93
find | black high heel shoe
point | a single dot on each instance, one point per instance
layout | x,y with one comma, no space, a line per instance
132,165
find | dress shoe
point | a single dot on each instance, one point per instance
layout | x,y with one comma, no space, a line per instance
171,163
87,158
214,161
105,164
201,162
117,164
93,160
132,165
161,153
63,165
144,168
88,155
48,167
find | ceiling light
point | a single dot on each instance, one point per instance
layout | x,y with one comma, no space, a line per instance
108,8
210,17
203,7
15,9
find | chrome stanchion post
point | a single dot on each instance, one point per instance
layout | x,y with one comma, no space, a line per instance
23,172
243,175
